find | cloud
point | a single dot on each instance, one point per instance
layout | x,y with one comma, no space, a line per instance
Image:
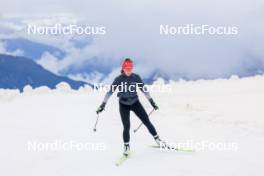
3,50
94,77
50,62
133,31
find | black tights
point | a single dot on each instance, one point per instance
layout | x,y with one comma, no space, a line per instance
138,109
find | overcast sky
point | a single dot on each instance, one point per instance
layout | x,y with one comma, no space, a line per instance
133,31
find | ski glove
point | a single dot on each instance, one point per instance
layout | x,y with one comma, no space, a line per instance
101,108
154,105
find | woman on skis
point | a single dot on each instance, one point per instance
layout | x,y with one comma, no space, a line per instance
128,101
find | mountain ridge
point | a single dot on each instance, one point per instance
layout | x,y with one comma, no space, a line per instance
16,72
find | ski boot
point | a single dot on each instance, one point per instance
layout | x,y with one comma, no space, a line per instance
126,150
161,143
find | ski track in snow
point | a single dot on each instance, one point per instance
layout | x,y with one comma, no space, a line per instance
214,110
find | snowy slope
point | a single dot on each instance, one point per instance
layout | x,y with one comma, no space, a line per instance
217,111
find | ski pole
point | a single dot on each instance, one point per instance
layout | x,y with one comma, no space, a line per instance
97,117
135,130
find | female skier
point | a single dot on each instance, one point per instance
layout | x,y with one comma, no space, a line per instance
127,82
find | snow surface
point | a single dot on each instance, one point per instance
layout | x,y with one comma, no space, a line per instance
218,111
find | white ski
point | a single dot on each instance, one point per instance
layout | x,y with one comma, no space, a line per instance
121,160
